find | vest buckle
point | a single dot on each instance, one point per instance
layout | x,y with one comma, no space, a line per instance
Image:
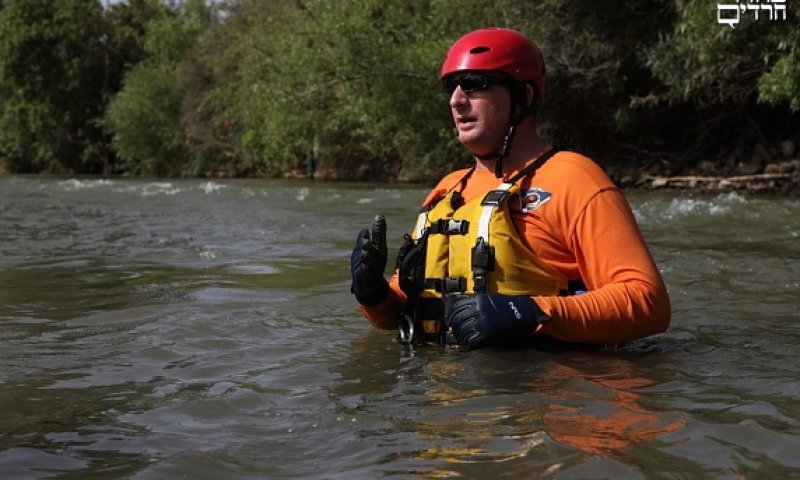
494,198
482,262
448,226
447,285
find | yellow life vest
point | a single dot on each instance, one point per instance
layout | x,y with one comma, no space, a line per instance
472,248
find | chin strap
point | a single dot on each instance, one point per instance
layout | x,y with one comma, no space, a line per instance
515,118
498,164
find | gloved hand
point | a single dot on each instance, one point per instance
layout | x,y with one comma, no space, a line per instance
367,264
493,319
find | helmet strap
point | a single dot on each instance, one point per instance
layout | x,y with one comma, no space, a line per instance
498,164
519,110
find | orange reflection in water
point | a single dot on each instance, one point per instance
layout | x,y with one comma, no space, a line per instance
604,415
490,408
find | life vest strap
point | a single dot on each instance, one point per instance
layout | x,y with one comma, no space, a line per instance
429,318
496,197
447,285
482,263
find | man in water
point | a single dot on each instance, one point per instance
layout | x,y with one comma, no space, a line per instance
531,244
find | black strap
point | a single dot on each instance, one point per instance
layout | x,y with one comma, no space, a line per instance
429,309
482,263
463,182
456,200
534,165
447,285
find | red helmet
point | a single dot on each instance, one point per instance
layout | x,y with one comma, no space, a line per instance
497,49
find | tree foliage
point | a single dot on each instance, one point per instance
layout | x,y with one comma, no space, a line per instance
735,83
355,81
145,116
351,83
60,64
268,87
708,64
52,75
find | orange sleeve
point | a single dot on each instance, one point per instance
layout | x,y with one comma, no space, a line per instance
386,315
626,296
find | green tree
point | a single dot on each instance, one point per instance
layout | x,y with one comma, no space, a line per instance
127,34
737,86
354,82
268,85
708,63
52,78
145,116
60,62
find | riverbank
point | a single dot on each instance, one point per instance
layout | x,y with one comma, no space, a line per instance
782,178
766,168
763,173
778,183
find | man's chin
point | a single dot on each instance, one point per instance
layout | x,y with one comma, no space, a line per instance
478,149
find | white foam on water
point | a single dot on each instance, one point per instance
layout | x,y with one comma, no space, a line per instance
717,206
159,188
211,187
208,254
74,184
255,269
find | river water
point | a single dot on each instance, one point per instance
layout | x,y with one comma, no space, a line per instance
205,330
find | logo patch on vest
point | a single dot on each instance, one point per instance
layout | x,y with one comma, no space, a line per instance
533,198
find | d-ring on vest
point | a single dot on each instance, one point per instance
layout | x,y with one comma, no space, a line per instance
458,249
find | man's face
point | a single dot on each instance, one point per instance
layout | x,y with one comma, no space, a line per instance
481,116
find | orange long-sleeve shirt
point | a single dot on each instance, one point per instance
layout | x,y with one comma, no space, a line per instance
575,219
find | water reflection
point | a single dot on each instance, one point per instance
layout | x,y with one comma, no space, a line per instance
601,413
523,409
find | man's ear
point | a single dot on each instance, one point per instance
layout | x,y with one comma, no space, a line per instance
531,95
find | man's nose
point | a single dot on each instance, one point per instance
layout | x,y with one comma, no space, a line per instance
458,97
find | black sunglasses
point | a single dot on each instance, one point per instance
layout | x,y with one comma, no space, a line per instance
470,82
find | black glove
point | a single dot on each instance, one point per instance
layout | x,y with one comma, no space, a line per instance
493,319
368,263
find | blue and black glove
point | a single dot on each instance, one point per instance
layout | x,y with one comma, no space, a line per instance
493,319
368,263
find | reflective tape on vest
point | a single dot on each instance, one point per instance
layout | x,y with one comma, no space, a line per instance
491,201
419,228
